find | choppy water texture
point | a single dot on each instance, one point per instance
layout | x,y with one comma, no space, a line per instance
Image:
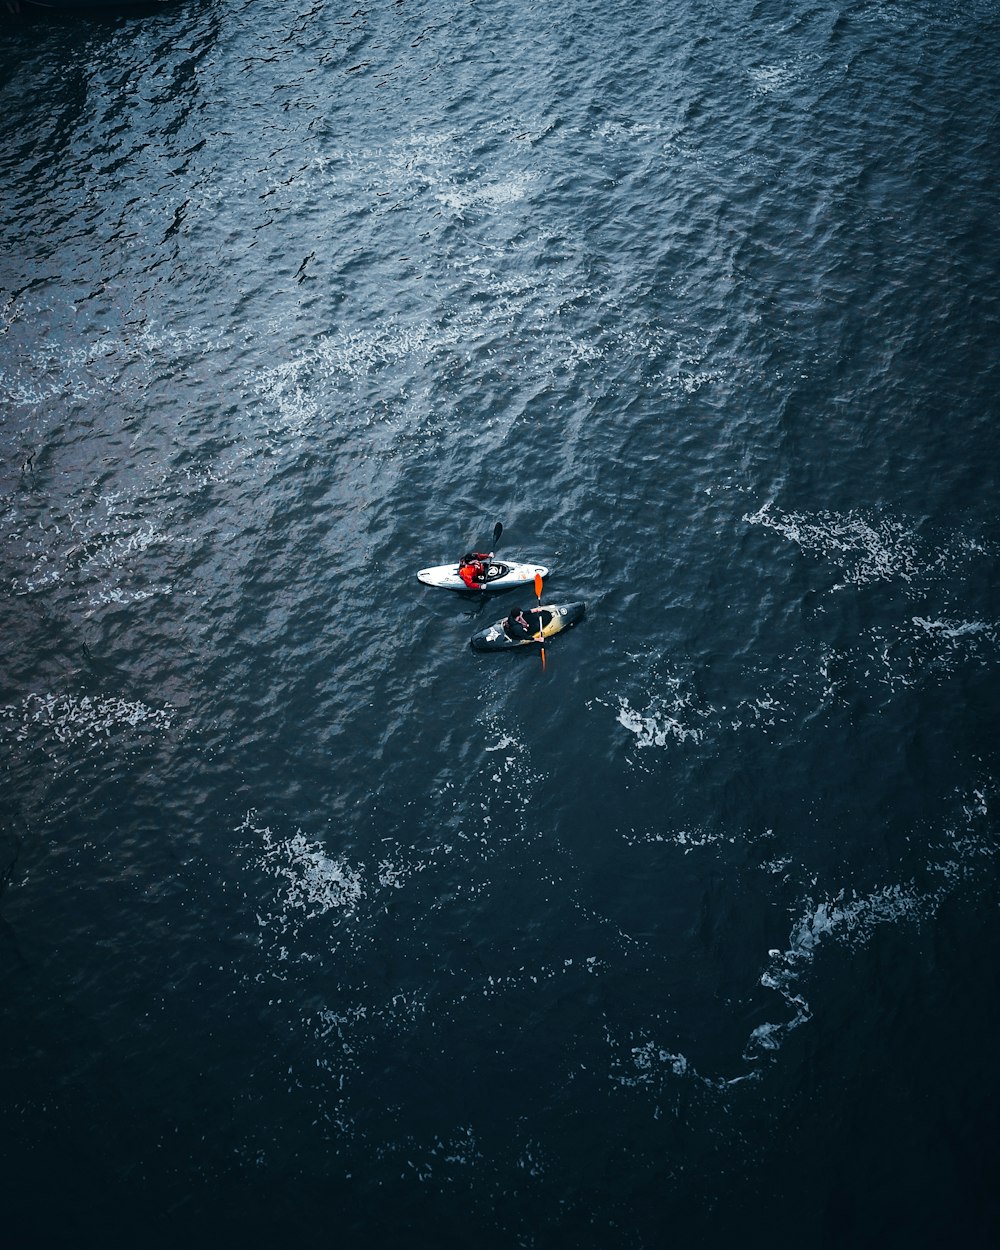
319,925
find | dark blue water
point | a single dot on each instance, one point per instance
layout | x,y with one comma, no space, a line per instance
319,925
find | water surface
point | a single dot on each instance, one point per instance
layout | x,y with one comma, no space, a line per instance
319,924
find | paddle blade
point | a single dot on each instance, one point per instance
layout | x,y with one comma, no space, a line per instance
538,587
497,531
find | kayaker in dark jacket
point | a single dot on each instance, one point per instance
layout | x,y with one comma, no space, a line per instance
521,625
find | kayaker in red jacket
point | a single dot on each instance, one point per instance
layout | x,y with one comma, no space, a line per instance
472,568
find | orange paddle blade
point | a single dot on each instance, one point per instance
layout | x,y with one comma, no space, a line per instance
538,586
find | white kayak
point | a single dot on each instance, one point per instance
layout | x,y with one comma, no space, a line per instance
500,575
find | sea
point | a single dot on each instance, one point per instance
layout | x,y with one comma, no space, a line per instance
320,928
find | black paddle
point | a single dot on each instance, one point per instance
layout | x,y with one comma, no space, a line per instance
497,531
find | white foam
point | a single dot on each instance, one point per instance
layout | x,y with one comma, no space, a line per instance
649,1057
461,197
953,630
71,718
495,985
853,919
687,839
764,712
866,550
643,1061
768,78
960,859
393,876
846,918
123,598
98,536
311,882
505,743
658,726
510,778
531,1161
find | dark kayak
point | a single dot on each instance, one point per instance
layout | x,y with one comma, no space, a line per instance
555,617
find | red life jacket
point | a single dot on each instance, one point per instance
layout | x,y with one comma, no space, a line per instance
473,573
